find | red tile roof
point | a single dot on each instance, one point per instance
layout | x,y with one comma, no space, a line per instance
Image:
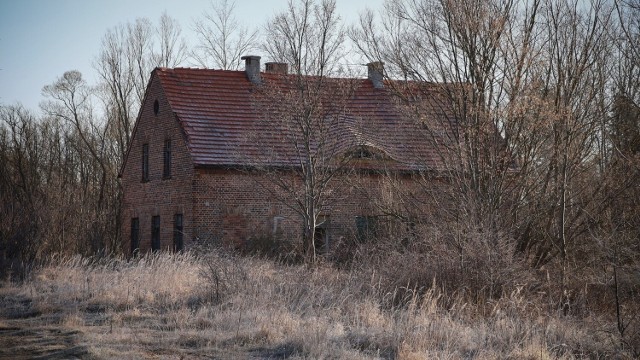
218,112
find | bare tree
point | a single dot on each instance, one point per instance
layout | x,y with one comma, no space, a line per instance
302,150
302,114
60,192
308,36
69,100
172,48
115,65
528,115
616,240
129,53
21,146
59,187
469,59
222,40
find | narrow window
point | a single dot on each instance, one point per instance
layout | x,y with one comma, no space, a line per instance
166,173
178,244
135,236
145,162
155,233
321,234
277,225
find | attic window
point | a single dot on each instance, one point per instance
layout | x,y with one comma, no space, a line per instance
365,153
156,107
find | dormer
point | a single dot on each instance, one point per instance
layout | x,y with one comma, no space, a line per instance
367,153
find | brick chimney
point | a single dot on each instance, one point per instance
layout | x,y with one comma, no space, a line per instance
252,68
376,74
277,68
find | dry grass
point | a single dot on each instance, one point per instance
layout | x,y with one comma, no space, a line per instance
220,305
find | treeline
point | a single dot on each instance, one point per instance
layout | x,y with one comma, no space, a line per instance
547,141
59,187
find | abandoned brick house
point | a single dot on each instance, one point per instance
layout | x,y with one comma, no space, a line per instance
183,183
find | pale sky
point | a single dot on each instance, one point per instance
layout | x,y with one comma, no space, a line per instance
41,39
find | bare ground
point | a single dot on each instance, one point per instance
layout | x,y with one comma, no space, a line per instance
27,333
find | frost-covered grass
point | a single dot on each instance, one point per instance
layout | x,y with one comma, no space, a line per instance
228,306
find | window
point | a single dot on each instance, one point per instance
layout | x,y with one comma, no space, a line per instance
277,225
363,153
135,236
156,107
366,153
366,227
155,233
321,234
178,243
166,173
145,162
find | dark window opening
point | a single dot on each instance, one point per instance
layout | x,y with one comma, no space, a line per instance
156,107
135,236
321,235
155,233
365,153
166,173
178,243
366,228
145,162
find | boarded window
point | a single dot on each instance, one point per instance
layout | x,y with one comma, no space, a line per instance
145,162
135,236
166,173
155,233
178,243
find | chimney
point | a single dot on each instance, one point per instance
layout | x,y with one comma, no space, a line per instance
252,68
376,73
277,68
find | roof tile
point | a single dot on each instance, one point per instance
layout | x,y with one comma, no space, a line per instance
217,111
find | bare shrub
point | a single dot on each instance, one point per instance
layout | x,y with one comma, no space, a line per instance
460,261
223,276
273,247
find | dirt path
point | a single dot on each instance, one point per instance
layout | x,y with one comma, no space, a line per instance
26,334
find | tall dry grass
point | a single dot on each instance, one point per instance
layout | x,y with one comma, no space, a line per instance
219,304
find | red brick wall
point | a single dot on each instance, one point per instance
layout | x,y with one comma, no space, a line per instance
232,206
159,196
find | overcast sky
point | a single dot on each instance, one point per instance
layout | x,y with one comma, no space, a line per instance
41,39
